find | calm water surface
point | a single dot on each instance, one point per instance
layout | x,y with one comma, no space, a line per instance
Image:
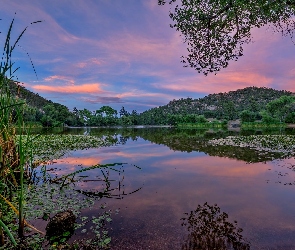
170,173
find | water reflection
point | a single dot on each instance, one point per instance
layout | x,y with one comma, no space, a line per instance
57,188
175,182
186,140
210,229
178,182
97,181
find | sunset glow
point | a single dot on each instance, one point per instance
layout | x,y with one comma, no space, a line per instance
125,54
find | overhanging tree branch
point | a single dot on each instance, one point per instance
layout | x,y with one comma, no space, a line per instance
215,31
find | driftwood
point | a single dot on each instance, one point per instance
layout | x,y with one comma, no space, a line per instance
60,223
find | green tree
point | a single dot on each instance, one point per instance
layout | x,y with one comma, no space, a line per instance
76,119
134,116
247,116
49,117
55,115
215,31
123,112
229,110
290,118
85,115
201,119
108,114
267,118
279,108
126,120
254,107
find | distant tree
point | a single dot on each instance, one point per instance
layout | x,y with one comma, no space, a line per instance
290,117
123,112
75,111
108,111
108,115
254,107
201,119
280,107
126,121
85,115
229,110
29,113
215,31
134,112
247,116
267,118
134,117
47,121
209,113
50,117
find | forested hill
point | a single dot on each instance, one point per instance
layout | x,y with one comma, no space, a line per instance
221,106
40,110
31,98
247,102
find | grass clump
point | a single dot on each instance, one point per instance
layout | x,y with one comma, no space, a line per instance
13,154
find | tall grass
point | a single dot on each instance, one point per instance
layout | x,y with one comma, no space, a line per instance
13,150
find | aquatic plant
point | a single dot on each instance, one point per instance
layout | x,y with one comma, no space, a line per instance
49,147
283,144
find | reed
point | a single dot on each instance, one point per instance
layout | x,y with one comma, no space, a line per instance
13,151
16,158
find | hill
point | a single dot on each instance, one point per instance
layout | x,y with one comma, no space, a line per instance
40,110
31,98
220,106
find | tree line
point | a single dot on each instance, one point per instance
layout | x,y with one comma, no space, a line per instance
248,104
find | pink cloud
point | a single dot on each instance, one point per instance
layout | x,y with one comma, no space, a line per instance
83,88
138,93
226,81
85,160
135,47
88,63
59,78
148,50
261,66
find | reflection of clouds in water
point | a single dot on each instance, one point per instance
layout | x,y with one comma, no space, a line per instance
218,166
95,180
176,182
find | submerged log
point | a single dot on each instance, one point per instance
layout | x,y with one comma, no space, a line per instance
60,223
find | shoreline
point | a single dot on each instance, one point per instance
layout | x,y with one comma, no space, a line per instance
133,126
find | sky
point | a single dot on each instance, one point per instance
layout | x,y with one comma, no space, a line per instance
92,53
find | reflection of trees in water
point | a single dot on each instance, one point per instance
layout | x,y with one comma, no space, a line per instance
189,140
209,230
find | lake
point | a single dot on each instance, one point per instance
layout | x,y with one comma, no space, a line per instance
169,172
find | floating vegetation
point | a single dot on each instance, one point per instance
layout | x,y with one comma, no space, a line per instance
50,195
282,144
45,201
50,147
